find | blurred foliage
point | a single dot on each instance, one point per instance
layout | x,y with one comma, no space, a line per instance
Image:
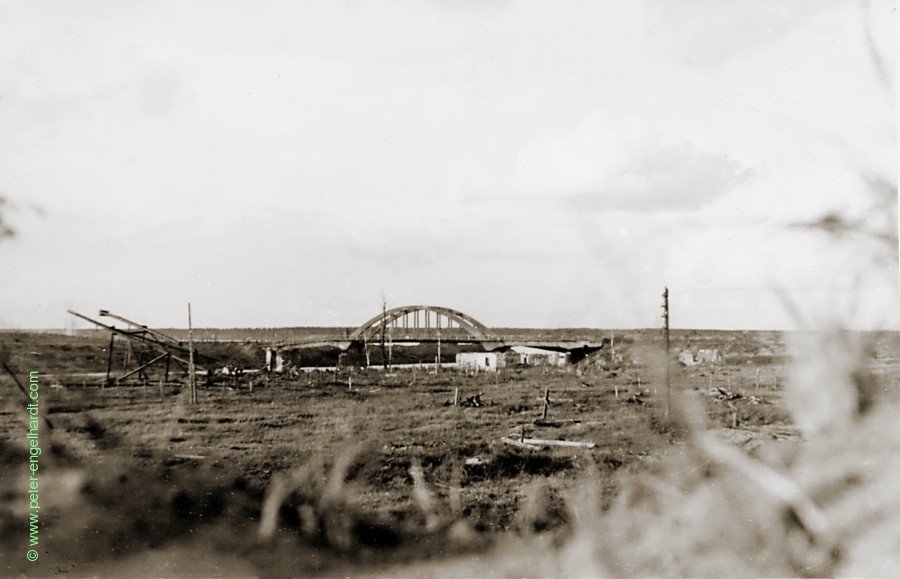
5,229
878,222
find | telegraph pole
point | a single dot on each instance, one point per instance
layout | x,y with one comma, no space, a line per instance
366,347
390,346
384,360
191,368
665,317
437,319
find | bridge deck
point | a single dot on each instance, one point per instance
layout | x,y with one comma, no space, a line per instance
492,343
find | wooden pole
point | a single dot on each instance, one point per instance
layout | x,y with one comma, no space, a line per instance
141,368
390,346
191,369
16,380
139,357
384,360
366,348
666,330
437,369
546,404
21,386
109,357
127,360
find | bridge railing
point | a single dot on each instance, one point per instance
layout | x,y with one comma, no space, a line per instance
421,334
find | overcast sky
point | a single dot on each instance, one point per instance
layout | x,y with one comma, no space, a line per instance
530,163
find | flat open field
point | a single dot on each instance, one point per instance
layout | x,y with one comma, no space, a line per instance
136,469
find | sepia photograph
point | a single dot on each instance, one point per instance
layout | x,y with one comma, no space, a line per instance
449,288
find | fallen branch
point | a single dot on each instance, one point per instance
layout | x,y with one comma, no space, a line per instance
556,423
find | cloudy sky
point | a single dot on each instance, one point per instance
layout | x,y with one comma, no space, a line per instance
531,163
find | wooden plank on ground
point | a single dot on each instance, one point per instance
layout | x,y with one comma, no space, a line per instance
545,442
517,444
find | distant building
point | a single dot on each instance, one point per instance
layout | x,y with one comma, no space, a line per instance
708,355
483,361
528,356
686,357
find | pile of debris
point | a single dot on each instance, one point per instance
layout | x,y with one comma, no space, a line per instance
636,398
473,401
720,394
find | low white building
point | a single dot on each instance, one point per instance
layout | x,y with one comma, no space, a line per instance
484,361
688,358
708,355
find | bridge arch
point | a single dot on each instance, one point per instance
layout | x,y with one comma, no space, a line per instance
464,322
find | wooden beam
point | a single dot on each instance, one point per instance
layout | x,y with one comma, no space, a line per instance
109,357
517,444
139,327
150,363
24,390
545,442
153,343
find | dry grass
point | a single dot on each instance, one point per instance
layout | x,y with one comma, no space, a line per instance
313,477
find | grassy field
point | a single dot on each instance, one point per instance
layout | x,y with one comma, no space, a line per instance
145,470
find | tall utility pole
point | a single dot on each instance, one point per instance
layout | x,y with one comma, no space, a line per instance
366,347
390,346
191,370
665,317
109,357
384,360
437,319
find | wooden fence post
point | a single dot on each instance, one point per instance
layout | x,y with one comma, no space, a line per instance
191,367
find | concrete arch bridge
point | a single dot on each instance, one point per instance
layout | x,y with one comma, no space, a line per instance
434,324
